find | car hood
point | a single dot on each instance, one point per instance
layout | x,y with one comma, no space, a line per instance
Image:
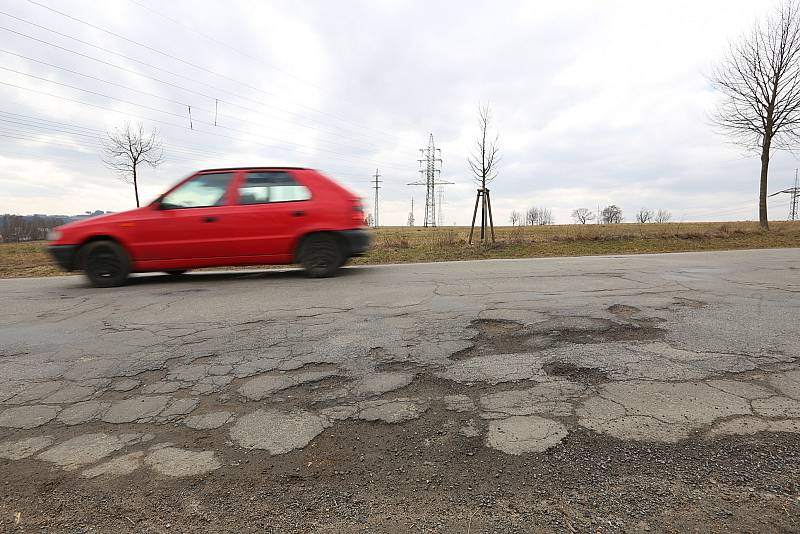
102,219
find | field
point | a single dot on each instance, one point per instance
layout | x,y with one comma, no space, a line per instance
405,244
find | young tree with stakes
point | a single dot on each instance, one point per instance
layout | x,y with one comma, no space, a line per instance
483,163
126,148
760,85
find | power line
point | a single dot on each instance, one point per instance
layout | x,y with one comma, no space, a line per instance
193,65
153,95
345,157
213,39
165,82
30,126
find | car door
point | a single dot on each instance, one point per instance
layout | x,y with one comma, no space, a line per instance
269,209
190,221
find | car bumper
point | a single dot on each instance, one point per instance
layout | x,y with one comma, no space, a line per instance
64,255
358,241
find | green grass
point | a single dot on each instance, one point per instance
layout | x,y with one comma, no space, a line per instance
404,244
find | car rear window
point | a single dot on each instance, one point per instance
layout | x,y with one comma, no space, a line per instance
267,187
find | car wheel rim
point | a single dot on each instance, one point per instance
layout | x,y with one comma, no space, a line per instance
104,264
322,258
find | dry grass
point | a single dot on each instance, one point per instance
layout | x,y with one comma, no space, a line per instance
26,259
404,244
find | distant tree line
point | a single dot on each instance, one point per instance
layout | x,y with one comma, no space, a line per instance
15,228
613,215
531,217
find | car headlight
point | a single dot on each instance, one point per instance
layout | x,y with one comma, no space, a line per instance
53,235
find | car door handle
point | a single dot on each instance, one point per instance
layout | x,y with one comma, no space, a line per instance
210,219
298,213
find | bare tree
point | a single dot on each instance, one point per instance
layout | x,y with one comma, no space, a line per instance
582,215
538,216
514,218
663,216
760,83
545,216
483,163
611,215
532,216
126,148
644,215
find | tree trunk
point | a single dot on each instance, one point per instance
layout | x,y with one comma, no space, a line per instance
135,186
762,198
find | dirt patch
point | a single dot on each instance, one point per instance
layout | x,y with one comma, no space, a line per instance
689,303
426,476
495,336
582,375
644,331
624,311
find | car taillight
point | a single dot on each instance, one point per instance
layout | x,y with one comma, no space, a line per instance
358,211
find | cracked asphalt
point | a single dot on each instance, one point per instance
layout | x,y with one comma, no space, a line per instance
598,394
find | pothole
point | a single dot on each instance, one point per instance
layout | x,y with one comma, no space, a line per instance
584,375
623,310
689,303
497,336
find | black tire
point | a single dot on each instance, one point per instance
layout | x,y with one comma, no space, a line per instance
106,263
176,272
321,255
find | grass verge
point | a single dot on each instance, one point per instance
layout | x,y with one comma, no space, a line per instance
404,244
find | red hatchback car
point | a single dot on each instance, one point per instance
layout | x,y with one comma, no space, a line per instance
218,217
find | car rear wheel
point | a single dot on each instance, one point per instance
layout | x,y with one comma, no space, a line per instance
106,263
321,255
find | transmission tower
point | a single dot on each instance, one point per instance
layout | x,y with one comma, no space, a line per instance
431,171
376,187
411,213
795,198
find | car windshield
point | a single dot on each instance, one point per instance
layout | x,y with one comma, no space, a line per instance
201,191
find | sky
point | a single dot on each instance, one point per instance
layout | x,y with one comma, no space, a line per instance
594,103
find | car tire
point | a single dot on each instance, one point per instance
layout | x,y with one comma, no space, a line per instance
176,272
105,263
321,255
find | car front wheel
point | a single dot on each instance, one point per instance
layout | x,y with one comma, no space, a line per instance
321,255
106,263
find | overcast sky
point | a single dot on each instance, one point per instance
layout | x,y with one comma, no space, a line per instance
595,102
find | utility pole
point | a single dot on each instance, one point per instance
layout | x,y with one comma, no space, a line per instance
795,198
431,171
377,187
440,213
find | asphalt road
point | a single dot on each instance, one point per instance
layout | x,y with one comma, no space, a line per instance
508,395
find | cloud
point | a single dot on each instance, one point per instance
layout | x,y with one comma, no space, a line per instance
595,102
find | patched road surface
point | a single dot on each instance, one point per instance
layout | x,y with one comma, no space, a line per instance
655,393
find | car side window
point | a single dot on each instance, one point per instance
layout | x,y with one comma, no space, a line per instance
202,191
269,187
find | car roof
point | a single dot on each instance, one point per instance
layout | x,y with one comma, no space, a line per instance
257,167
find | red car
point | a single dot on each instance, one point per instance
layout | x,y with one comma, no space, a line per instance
217,217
